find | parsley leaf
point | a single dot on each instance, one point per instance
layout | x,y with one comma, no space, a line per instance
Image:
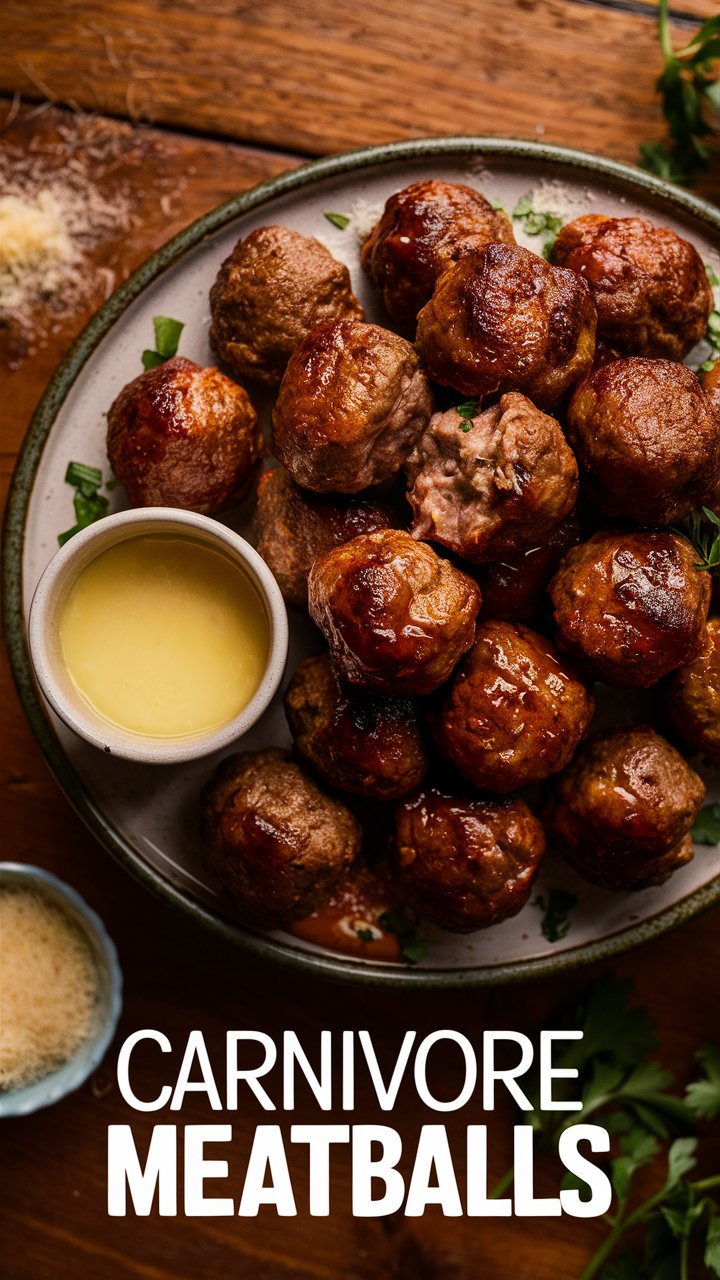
711,1256
702,530
711,275
413,947
703,1095
690,92
556,923
537,223
707,825
167,340
88,504
339,220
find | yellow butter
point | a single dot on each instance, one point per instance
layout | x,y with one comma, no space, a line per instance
165,636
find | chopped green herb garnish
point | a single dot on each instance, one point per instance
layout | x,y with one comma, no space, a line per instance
713,329
712,277
413,946
707,825
89,505
690,91
498,207
167,340
339,220
537,223
365,935
467,411
556,923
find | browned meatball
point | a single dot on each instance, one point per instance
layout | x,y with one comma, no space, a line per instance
423,230
182,436
514,589
505,320
515,710
496,483
356,741
351,406
465,864
274,840
650,286
647,439
397,617
292,528
630,607
692,697
621,812
273,289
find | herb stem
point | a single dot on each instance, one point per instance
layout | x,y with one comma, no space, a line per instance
706,1184
684,1247
666,45
501,1187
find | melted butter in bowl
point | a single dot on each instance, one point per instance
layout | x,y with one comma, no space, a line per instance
165,636
158,635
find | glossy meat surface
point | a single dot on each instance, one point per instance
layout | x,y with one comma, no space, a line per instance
501,486
650,286
182,436
631,606
351,405
463,863
514,589
355,741
396,616
621,812
505,320
514,712
275,287
692,698
276,842
423,230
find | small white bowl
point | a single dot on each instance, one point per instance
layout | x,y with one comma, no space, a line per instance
46,653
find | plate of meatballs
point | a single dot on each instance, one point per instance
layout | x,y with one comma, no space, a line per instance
463,396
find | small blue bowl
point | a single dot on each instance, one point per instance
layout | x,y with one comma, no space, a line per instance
89,1054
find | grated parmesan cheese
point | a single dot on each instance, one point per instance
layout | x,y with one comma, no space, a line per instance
35,247
48,987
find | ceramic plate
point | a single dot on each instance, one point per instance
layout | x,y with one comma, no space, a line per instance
147,816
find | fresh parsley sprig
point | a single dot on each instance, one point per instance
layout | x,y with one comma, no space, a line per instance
413,945
689,87
707,825
167,340
89,505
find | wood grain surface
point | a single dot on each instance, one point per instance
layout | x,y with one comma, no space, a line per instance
296,81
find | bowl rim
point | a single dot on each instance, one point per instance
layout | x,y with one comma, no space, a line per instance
110,531
633,180
28,1098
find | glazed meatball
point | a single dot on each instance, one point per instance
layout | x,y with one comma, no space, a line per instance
647,439
465,864
650,286
692,698
292,527
514,712
277,844
514,589
424,229
351,406
273,289
505,320
497,483
621,813
182,436
397,617
356,741
630,607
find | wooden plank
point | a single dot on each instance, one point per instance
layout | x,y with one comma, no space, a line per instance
328,76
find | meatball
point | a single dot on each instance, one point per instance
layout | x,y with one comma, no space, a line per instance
356,741
273,289
514,589
505,320
692,698
647,438
275,841
630,607
182,436
465,864
497,483
292,527
351,406
397,617
650,286
514,712
424,229
621,813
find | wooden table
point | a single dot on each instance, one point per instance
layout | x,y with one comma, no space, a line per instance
169,111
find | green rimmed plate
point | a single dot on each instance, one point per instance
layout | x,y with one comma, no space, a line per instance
147,817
